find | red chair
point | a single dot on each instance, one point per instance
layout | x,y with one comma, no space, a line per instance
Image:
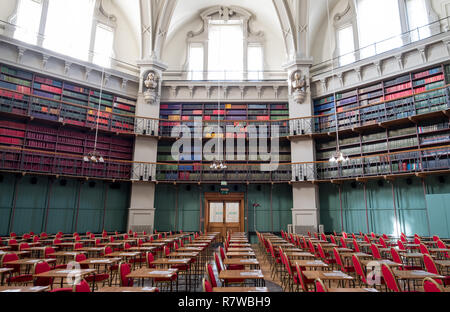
375,252
344,268
304,282
206,286
42,267
223,256
83,286
23,246
326,257
12,234
356,246
389,278
26,236
93,278
343,243
320,286
78,246
333,240
397,259
17,278
430,266
312,250
98,243
125,269
149,260
48,254
441,245
401,246
359,270
291,277
431,285
211,276
12,242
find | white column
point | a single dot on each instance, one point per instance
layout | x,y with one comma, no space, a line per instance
141,215
305,213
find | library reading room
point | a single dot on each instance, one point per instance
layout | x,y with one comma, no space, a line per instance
224,146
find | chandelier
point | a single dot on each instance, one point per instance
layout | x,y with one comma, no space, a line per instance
217,163
338,157
94,156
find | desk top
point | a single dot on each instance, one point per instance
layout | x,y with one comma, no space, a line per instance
128,289
241,274
152,273
240,289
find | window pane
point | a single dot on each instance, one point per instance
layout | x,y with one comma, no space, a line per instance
104,38
255,63
225,51
379,26
417,18
68,27
346,46
28,20
195,62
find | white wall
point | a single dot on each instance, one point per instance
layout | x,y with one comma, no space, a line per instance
7,8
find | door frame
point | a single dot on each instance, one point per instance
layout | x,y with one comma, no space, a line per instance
217,197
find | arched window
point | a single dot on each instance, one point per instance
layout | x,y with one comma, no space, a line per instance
368,27
225,48
80,29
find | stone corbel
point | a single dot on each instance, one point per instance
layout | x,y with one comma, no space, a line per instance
106,80
45,59
242,88
399,58
259,91
87,72
275,90
323,84
124,83
225,92
447,45
67,66
208,92
20,54
377,65
358,73
173,89
341,78
423,53
191,91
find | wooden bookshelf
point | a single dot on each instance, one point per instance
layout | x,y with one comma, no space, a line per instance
32,94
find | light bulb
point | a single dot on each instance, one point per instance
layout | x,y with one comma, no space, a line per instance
333,159
86,159
93,158
101,159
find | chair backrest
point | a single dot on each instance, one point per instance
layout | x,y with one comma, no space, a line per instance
344,235
400,245
385,237
355,245
108,250
57,241
206,286
126,246
35,239
375,252
77,238
111,239
337,256
366,239
8,258
140,242
359,269
124,269
353,236
12,241
42,267
373,235
218,262
301,277
80,257
382,242
149,259
324,237
389,278
441,244
212,277
222,253
332,239
431,285
417,240
311,247
430,266
320,286
125,236
343,243
12,234
166,251
78,246
395,256
83,286
48,251
320,249
424,249
435,238
24,246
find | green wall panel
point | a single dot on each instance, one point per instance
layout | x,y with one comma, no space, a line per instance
414,212
439,214
32,199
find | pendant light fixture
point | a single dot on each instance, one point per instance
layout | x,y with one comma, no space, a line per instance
94,156
338,157
217,163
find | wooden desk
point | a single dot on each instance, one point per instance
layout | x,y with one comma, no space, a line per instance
65,274
239,250
300,255
142,249
252,263
13,289
241,255
316,264
256,275
240,289
329,276
414,276
128,289
18,253
152,274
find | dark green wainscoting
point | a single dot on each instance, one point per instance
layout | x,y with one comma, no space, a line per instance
180,206
40,203
408,205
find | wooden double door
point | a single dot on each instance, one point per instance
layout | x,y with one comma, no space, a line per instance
224,213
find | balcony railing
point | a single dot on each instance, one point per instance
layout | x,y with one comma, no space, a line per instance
418,161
